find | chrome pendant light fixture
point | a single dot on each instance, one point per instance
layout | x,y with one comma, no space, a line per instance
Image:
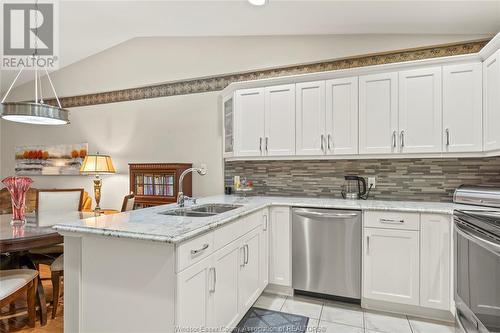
36,112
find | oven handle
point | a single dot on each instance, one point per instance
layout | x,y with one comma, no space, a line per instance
477,238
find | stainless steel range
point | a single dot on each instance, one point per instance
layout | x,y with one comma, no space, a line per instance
477,259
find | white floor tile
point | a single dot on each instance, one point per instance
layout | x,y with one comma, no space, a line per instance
270,302
343,314
387,323
428,326
303,306
327,327
312,326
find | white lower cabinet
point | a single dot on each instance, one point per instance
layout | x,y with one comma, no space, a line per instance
218,290
391,265
280,247
407,259
435,261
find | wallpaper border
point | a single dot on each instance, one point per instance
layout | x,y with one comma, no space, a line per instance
219,82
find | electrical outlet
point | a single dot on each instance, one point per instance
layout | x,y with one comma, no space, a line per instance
371,182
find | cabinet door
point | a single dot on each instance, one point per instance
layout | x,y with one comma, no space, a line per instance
462,108
391,265
264,250
342,116
280,247
193,296
224,286
491,89
420,110
249,275
280,120
249,121
435,259
378,113
310,103
228,125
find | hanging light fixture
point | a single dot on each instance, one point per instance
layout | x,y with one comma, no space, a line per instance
36,112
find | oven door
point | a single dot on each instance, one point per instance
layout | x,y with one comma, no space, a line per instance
477,279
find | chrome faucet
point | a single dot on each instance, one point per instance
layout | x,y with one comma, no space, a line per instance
181,198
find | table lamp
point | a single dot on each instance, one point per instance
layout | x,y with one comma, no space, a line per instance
95,165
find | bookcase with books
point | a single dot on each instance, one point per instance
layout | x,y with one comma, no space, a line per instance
158,183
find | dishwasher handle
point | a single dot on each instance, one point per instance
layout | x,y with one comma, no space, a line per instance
313,214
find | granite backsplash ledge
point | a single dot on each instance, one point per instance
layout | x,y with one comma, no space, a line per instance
396,179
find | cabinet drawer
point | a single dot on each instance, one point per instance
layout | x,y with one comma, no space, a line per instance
194,250
236,229
392,220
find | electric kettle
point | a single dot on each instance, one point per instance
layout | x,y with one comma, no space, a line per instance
354,187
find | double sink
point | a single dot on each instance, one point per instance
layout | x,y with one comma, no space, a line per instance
202,210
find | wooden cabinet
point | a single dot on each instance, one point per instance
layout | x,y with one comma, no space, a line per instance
491,102
420,110
280,120
311,116
378,113
157,183
280,268
249,121
391,265
342,116
462,108
435,261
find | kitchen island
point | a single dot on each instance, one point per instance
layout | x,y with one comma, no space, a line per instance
145,271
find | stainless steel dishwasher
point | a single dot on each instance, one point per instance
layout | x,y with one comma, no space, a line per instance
326,252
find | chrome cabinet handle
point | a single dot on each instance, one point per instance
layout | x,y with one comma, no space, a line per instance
265,223
322,145
267,139
246,254
394,143
402,139
367,244
260,144
326,215
447,136
214,278
328,140
203,248
390,221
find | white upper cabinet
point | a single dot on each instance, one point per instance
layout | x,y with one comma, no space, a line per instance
342,116
420,110
249,121
378,113
491,91
280,120
310,124
462,108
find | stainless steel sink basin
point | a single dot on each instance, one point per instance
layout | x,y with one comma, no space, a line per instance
215,208
201,211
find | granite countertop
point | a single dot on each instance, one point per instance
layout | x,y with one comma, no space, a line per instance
148,224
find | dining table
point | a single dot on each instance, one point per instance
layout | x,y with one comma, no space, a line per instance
16,240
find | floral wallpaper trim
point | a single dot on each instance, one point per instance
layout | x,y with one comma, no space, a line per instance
219,82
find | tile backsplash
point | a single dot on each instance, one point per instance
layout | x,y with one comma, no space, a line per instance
396,179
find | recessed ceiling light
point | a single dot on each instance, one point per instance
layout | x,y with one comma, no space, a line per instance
258,2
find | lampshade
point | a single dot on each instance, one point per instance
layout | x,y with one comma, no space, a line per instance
97,164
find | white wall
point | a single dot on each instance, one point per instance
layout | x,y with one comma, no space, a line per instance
179,128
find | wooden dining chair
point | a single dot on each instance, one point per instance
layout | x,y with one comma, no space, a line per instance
128,202
56,274
14,284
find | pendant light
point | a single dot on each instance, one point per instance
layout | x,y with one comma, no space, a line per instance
36,112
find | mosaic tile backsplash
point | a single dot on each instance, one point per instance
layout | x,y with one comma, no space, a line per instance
396,179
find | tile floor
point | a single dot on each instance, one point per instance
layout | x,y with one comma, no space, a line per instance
334,317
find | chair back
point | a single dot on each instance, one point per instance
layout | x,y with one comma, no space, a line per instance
59,201
128,202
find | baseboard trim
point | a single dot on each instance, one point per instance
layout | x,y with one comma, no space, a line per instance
410,310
